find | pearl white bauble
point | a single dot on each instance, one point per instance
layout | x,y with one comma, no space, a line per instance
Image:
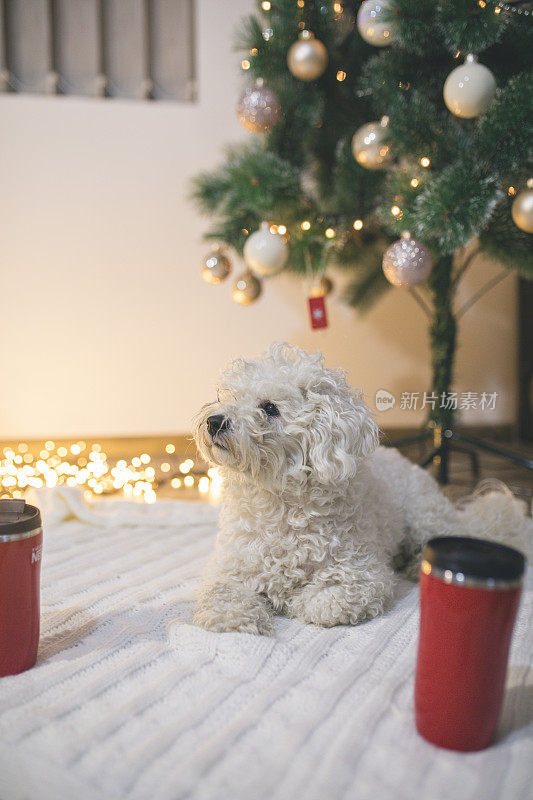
369,147
258,108
307,58
246,289
469,89
216,267
407,262
265,252
371,25
522,210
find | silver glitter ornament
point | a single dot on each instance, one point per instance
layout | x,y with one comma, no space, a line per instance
216,267
258,108
407,262
246,289
369,146
522,210
307,58
373,25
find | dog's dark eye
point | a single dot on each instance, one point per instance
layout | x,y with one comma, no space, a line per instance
270,409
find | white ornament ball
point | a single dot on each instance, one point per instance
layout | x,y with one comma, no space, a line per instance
522,210
371,25
369,146
407,262
216,267
469,89
307,58
246,289
265,252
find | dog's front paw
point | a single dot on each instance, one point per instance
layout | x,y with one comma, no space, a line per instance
222,609
332,605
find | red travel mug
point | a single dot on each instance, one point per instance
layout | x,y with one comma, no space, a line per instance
469,595
21,541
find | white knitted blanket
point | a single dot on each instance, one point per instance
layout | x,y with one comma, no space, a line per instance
130,700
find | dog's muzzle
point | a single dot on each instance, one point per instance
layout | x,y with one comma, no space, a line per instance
217,424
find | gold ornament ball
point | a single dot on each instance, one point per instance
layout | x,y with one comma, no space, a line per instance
307,58
246,289
369,147
258,108
407,262
216,267
321,288
522,211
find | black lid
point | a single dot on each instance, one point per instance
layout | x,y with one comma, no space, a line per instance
476,558
17,516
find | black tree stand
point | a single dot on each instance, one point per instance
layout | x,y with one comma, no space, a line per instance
443,330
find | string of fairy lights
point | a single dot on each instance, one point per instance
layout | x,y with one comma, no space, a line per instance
87,466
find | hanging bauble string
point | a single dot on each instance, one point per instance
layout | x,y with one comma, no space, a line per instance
371,23
265,252
407,262
369,146
246,289
258,108
307,58
522,209
216,267
469,89
321,287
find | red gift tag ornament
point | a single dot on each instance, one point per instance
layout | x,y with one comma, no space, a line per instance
317,312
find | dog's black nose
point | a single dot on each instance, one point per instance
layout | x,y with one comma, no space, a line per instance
217,424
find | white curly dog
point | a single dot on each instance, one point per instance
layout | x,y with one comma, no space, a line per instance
315,516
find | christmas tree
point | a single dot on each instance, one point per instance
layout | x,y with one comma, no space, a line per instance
392,138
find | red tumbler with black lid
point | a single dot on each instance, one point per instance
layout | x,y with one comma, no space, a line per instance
21,539
469,596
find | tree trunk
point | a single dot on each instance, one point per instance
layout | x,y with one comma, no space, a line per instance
442,334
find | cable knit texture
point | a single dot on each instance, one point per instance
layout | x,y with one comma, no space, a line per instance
130,700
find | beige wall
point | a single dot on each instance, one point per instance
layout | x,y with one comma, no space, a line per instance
106,327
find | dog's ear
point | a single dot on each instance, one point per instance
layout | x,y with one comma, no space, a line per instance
342,433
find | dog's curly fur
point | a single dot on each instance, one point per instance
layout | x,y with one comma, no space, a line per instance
315,516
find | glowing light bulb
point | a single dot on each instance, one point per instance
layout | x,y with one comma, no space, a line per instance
175,483
358,224
395,211
329,233
203,485
266,5
245,64
425,161
165,467
305,225
145,458
282,230
341,75
189,480
170,448
414,182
